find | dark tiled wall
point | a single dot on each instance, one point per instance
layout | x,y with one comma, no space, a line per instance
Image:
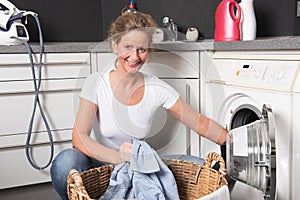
64,20
78,20
274,17
186,13
277,18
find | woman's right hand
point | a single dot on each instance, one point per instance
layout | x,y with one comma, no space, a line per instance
125,151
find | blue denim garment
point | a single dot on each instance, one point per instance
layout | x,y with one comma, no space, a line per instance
145,177
65,161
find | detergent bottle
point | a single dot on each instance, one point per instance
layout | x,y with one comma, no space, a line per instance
227,21
248,21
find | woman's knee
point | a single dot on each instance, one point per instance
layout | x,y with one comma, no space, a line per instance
68,159
61,165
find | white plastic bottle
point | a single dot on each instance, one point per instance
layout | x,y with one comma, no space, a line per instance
248,20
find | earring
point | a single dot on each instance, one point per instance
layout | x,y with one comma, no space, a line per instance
116,64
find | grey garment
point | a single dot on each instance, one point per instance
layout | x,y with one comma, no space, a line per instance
146,177
143,158
120,185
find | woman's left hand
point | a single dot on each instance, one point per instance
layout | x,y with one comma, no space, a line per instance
125,151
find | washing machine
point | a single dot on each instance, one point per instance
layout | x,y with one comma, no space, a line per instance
255,96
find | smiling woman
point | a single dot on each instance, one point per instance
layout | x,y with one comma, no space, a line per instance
123,102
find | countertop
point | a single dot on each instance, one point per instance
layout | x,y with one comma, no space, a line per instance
260,44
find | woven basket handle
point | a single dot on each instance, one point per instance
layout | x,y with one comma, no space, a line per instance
75,178
213,156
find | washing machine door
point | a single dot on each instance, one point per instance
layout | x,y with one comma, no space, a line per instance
249,152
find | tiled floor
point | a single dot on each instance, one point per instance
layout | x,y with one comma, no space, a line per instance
43,191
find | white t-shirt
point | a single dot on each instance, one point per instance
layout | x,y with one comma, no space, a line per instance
117,122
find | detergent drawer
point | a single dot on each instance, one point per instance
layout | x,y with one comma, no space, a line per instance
62,77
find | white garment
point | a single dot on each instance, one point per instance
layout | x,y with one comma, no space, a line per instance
221,194
118,122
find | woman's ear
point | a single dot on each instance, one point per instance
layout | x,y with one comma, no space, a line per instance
114,46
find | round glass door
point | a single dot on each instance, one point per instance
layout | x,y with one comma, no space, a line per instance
249,149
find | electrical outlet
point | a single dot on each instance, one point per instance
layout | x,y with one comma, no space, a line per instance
298,8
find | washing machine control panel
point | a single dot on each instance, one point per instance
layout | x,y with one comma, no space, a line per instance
279,75
251,71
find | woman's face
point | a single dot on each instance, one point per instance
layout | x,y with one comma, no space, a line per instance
132,50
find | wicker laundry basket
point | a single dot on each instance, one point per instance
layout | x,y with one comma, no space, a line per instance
193,180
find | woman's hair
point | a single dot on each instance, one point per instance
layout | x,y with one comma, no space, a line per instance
130,21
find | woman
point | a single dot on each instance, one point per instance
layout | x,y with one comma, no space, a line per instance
106,95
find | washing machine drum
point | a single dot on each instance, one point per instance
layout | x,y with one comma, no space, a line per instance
243,117
249,152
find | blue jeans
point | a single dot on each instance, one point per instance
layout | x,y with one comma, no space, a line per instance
65,161
74,159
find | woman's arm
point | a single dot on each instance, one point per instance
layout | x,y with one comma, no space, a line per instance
202,125
81,136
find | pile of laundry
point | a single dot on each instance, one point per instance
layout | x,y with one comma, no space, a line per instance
145,177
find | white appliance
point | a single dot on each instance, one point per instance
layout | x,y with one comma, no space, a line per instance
235,87
12,20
